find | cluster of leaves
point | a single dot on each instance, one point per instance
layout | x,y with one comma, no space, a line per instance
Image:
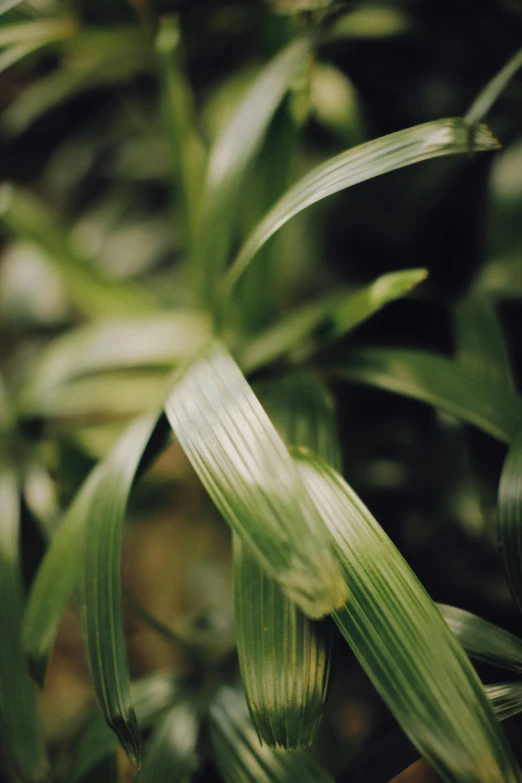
243,383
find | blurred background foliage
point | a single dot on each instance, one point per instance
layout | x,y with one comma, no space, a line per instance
92,215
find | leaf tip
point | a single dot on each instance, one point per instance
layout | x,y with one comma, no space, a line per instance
127,730
37,667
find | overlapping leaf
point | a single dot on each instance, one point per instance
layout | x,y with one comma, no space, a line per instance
312,326
401,641
439,382
480,344
510,517
242,759
413,145
483,640
493,89
245,467
230,157
102,498
171,756
21,734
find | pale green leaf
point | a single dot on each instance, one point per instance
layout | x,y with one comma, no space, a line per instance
505,698
309,328
403,644
246,468
493,89
483,640
110,480
100,585
284,657
395,151
481,347
440,382
6,5
510,517
230,158
93,292
172,753
242,759
21,734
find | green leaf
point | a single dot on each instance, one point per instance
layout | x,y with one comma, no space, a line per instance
284,657
308,329
246,469
483,640
94,293
493,89
97,742
25,38
100,586
177,109
242,759
146,341
480,343
230,158
439,382
6,5
21,735
413,145
401,641
505,698
103,496
172,754
510,517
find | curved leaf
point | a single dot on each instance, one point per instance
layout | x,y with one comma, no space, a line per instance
245,467
510,517
242,759
481,348
21,735
309,328
483,640
230,157
493,89
171,756
59,570
100,585
439,382
401,641
413,145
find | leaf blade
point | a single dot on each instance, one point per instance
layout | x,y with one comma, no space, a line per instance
389,153
480,343
510,517
172,755
405,647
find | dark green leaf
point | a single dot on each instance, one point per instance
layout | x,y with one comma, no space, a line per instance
484,640
334,315
102,495
21,735
413,145
510,517
90,289
171,756
480,343
97,742
240,756
230,157
401,641
246,468
493,89
100,585
439,382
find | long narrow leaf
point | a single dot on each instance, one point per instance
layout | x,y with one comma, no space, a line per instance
245,467
21,735
171,756
439,382
483,640
493,89
58,573
242,759
481,347
186,149
413,145
230,157
91,290
284,656
100,587
510,517
505,698
310,327
400,639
